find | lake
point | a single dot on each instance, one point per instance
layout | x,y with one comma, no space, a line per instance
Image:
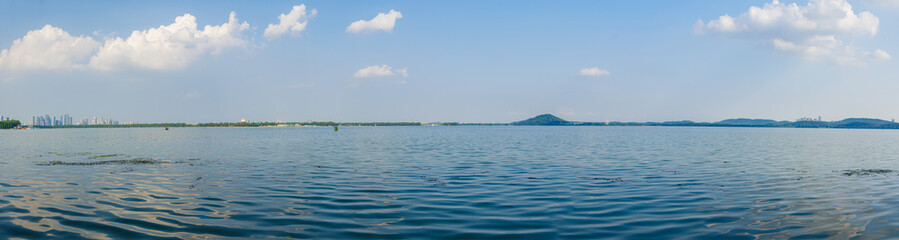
496,182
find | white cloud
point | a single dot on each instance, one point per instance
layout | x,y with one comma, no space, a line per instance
403,72
294,22
725,24
174,46
817,17
594,72
818,47
382,22
380,71
48,48
811,30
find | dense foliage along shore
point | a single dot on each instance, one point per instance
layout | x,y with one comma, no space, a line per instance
9,124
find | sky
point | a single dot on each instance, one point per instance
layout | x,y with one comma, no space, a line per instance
449,61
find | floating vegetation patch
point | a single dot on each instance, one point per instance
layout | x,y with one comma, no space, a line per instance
611,180
107,162
866,172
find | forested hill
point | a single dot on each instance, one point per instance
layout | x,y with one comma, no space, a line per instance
870,123
544,120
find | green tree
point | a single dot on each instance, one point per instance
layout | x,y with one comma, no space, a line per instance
9,124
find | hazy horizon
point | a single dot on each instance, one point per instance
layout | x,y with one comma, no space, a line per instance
469,61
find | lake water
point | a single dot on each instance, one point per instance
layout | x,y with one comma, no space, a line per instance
450,183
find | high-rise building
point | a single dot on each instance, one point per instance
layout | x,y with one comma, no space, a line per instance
65,119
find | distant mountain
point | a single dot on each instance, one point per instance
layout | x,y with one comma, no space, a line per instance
544,120
550,120
747,121
864,123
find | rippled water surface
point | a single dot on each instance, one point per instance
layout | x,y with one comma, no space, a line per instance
449,183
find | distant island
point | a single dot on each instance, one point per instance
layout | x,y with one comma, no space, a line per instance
550,120
540,120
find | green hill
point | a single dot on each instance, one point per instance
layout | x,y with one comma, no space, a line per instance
864,123
543,120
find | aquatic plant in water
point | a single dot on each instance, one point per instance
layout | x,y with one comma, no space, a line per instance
865,172
107,162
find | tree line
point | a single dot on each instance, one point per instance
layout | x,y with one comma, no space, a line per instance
9,124
238,124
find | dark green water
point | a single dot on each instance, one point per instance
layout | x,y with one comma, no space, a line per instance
449,183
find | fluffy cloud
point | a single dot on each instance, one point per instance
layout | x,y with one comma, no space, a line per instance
380,71
827,46
811,30
382,22
594,72
294,22
170,47
48,48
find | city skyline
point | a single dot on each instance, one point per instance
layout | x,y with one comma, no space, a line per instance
66,120
449,62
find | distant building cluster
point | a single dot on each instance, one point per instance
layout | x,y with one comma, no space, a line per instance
808,119
99,121
46,120
65,119
4,118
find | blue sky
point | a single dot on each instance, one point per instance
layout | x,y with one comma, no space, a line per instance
467,61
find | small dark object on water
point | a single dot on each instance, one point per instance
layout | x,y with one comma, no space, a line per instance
335,128
166,127
865,172
612,180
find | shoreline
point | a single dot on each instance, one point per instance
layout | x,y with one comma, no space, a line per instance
460,125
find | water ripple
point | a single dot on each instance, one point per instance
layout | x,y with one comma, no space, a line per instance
450,183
